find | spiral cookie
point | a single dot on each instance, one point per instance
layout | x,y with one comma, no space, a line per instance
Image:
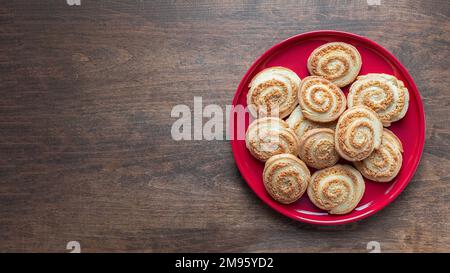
301,125
385,163
320,99
337,62
273,92
269,136
286,178
336,189
317,148
383,93
358,133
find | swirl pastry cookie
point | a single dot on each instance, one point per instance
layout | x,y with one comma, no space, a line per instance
270,136
338,62
358,133
317,148
301,125
336,189
285,178
383,93
273,91
320,99
385,163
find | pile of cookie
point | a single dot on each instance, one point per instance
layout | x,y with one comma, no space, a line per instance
311,123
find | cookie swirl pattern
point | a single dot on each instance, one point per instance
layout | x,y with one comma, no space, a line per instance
383,93
321,100
383,164
338,62
358,133
317,148
286,178
273,92
336,189
270,136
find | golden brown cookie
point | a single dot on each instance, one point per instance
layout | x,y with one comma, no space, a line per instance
384,94
358,133
336,189
383,164
273,92
286,178
338,62
269,136
320,99
317,148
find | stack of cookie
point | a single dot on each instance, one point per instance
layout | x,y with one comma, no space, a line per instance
311,123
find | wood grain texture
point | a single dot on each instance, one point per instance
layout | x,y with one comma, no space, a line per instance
85,147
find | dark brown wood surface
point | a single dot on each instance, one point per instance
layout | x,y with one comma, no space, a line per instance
86,152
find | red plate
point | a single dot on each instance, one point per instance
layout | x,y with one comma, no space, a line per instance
293,54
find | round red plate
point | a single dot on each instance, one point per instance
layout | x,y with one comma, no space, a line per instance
293,53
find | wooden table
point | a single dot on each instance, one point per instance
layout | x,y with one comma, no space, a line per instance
86,152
